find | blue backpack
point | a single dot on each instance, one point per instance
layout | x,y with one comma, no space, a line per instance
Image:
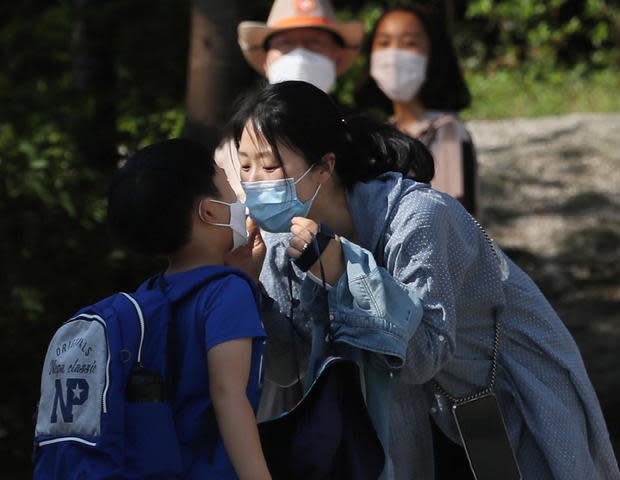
103,412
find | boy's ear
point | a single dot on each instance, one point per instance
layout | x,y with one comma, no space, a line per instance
206,212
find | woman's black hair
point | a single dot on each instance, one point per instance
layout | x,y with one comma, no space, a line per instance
305,119
153,194
444,87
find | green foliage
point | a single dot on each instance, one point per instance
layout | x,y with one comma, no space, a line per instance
509,93
55,252
561,32
149,128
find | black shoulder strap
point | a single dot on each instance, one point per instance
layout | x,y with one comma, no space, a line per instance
470,174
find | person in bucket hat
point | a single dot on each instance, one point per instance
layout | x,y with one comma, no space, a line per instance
302,40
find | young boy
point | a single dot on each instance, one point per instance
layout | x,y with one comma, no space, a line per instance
171,199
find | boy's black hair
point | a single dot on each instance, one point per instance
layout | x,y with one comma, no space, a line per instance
152,196
444,87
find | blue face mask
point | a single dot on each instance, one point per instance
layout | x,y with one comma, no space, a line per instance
273,203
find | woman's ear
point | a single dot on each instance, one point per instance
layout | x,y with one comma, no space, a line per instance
326,166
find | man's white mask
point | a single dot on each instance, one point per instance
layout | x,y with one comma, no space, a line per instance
304,65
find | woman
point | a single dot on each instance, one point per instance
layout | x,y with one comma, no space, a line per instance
414,72
407,264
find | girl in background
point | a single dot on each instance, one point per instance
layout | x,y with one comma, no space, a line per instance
414,73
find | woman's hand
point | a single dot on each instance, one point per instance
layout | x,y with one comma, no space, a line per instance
249,257
331,258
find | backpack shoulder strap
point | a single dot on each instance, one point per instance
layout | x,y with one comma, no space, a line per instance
152,309
141,324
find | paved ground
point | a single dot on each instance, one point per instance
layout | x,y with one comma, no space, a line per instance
550,194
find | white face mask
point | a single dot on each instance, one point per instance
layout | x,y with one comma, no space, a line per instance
302,64
398,73
237,221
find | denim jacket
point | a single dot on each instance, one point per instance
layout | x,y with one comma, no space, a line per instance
372,312
368,309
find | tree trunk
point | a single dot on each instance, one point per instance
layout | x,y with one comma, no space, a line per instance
94,82
217,71
450,16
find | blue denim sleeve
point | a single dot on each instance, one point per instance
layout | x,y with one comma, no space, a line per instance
368,308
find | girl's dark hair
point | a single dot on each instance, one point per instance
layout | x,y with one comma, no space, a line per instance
444,87
306,120
153,194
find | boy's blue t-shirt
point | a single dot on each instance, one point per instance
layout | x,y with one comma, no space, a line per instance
220,310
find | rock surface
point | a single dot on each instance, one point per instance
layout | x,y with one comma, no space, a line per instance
550,197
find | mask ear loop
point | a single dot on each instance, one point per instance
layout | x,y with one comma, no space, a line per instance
304,174
229,224
200,211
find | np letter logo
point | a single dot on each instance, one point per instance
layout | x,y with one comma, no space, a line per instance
76,394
